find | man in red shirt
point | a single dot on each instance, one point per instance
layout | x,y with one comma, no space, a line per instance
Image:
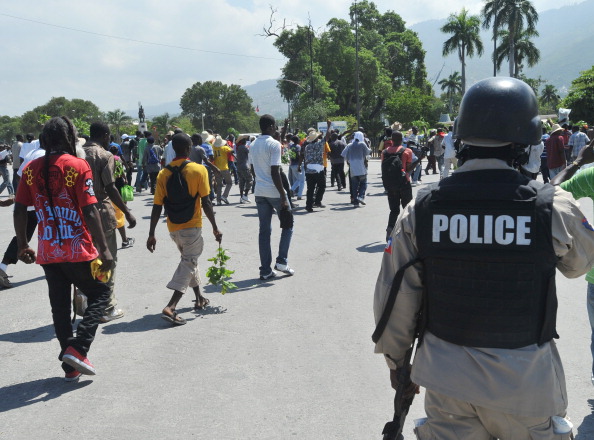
555,146
60,188
403,195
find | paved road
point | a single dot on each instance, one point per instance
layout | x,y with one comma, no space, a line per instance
287,359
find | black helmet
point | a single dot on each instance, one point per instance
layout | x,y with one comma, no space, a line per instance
499,109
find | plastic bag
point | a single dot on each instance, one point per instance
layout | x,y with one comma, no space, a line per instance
127,193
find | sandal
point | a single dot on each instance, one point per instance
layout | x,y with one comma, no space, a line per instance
201,305
174,319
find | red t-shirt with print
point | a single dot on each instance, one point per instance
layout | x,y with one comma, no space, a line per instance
71,184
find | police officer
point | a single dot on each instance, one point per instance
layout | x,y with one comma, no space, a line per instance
488,240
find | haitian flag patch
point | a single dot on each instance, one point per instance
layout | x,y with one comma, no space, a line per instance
587,225
388,248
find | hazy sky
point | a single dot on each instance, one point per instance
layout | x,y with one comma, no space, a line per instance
196,40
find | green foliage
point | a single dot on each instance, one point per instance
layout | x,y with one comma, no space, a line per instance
410,104
218,274
321,68
514,15
465,39
523,50
223,106
9,128
185,123
580,98
116,119
82,126
75,108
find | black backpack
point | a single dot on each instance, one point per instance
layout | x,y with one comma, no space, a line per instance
393,176
179,204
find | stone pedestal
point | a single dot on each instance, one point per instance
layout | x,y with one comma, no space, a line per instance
142,126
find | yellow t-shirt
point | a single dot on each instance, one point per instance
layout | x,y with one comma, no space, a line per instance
220,157
197,178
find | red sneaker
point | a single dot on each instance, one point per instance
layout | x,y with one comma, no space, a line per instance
72,376
76,360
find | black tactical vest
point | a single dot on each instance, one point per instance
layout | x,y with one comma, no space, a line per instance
486,240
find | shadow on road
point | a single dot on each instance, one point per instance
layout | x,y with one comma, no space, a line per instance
372,248
25,282
586,430
40,334
40,390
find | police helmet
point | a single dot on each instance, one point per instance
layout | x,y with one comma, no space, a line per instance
498,111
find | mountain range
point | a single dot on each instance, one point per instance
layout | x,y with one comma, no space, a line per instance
564,42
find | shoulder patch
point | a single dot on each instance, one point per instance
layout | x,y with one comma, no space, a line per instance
587,225
388,248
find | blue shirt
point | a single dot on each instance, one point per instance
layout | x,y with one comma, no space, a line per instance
208,149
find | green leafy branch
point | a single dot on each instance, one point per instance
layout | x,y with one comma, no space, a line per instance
218,274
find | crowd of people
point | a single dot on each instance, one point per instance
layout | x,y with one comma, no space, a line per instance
479,223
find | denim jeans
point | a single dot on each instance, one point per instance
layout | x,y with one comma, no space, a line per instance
298,180
141,179
554,171
6,180
266,207
591,317
358,188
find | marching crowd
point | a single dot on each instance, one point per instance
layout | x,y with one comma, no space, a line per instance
74,191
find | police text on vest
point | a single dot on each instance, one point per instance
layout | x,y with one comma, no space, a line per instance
482,229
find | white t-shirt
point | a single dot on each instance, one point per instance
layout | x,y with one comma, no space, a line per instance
28,147
169,153
264,153
448,143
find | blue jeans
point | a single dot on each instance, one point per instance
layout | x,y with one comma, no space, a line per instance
266,207
358,188
141,178
554,171
298,180
591,316
6,180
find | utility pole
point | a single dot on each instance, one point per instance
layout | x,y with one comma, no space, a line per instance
357,63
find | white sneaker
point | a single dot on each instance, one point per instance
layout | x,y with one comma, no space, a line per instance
272,274
246,199
284,268
112,316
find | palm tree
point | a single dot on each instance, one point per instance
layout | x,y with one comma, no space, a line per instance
465,38
524,49
451,85
490,13
549,96
516,16
117,118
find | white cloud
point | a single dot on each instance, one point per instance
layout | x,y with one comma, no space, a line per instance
42,61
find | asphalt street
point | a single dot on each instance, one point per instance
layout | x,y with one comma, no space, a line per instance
289,358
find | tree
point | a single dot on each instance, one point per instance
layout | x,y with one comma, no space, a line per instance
465,39
580,98
410,104
524,49
116,119
451,85
222,106
490,14
75,108
162,122
9,128
390,57
516,15
549,97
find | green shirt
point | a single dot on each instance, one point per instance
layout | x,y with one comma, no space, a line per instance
582,185
141,146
